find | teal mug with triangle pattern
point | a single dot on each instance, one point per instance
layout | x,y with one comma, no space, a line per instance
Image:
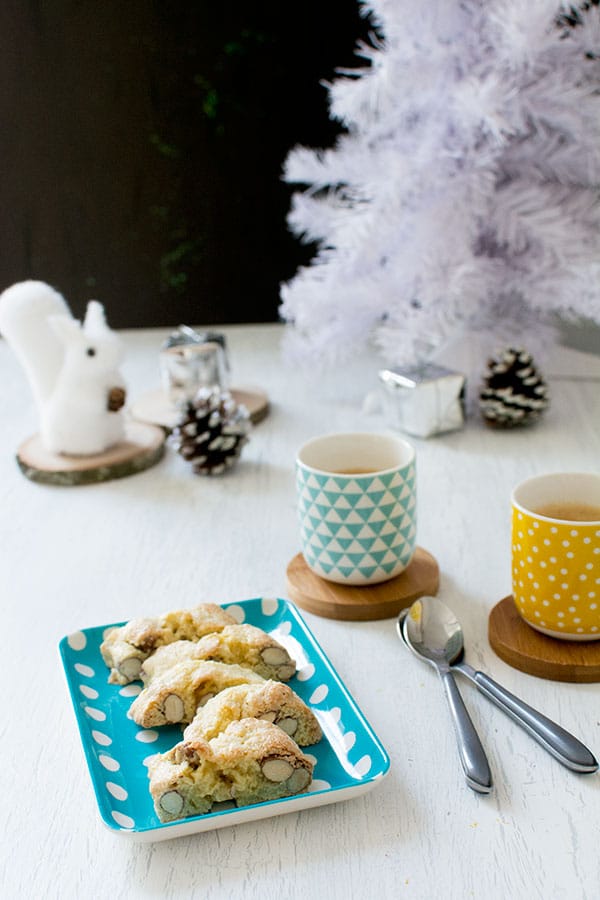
357,506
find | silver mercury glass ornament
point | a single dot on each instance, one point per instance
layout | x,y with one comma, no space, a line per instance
191,360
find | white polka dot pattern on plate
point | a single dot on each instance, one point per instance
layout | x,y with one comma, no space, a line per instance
86,671
305,672
77,641
363,766
103,739
237,612
147,737
554,575
118,792
123,820
109,763
269,606
318,784
335,713
349,740
90,693
319,694
130,690
94,713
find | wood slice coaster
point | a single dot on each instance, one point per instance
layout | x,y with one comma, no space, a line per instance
155,408
528,650
143,446
362,604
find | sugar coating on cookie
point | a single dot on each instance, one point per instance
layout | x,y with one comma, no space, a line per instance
176,694
125,649
271,702
250,762
243,645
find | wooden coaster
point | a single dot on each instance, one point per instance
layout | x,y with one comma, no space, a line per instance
143,446
362,604
155,408
524,648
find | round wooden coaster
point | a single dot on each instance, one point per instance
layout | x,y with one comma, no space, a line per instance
255,401
143,446
155,408
524,648
362,604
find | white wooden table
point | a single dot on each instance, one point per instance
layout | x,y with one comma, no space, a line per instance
77,557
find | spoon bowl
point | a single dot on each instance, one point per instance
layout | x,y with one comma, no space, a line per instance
433,631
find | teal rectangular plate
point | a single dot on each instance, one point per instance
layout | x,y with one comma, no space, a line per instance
349,760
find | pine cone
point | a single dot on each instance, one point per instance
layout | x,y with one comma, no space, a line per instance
212,431
514,393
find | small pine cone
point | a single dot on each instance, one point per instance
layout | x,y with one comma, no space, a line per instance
212,431
514,392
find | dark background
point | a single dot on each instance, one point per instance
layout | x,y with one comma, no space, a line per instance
142,145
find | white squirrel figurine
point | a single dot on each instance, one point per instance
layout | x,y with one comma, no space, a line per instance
72,368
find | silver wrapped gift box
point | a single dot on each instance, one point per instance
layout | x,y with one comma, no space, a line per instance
424,401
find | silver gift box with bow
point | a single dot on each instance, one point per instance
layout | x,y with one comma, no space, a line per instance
424,401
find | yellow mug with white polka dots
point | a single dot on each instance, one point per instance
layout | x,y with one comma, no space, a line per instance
556,554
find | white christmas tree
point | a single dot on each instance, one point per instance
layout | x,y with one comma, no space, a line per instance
465,187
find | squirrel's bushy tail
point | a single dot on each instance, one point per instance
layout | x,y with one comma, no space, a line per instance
25,308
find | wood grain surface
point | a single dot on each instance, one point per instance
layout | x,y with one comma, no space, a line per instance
143,447
155,408
362,604
530,651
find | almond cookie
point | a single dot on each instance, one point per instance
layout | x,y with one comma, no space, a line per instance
272,702
125,648
250,762
242,645
175,695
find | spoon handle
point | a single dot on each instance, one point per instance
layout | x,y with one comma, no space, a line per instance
564,746
472,755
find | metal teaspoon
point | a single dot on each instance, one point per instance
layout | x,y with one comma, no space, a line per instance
431,630
472,755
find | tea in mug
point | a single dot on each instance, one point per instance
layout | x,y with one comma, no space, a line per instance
570,511
355,471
